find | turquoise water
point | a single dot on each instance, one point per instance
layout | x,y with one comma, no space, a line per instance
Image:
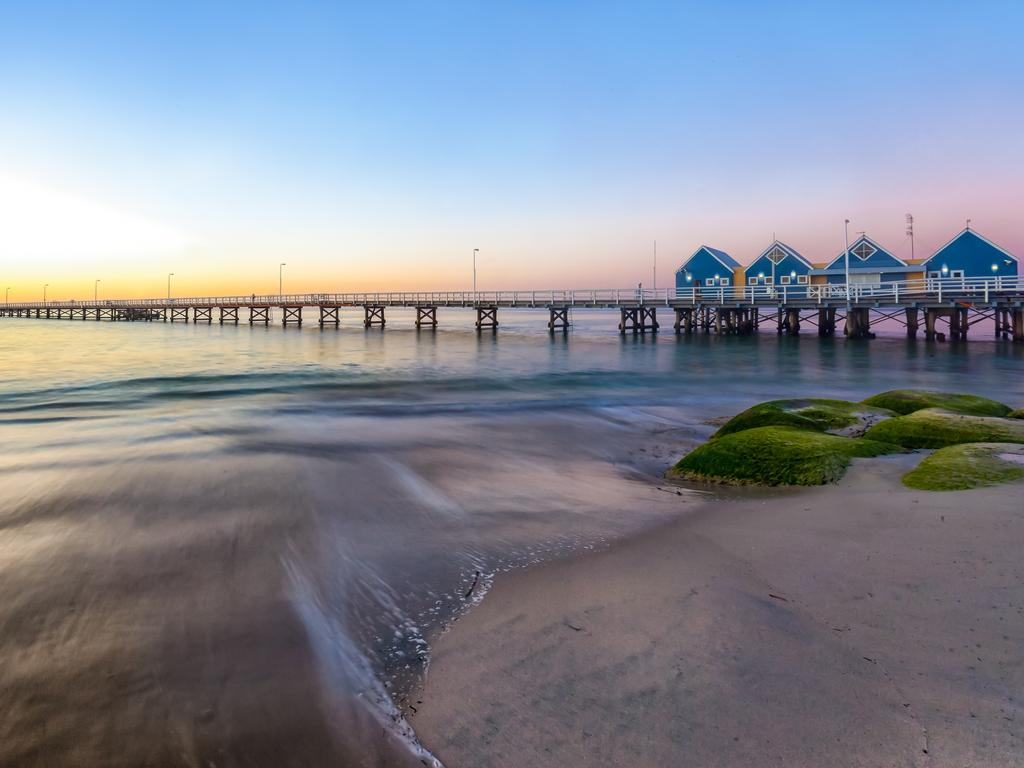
232,545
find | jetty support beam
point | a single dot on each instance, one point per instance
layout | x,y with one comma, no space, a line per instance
179,313
858,323
259,315
373,314
486,318
1018,325
827,322
426,316
291,316
228,315
201,314
684,320
329,316
792,322
912,322
958,324
558,319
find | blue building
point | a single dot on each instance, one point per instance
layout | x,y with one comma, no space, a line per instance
970,255
707,267
779,265
870,264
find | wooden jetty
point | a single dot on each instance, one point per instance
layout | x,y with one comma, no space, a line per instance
947,308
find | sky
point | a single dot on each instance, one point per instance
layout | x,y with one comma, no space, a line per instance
373,146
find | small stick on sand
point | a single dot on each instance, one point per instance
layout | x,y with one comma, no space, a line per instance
476,578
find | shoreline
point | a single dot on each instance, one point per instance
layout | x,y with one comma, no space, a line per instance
854,624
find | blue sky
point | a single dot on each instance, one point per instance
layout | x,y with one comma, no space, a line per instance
373,145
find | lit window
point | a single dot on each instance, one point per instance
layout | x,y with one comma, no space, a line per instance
723,281
769,280
802,279
751,281
709,281
784,279
863,251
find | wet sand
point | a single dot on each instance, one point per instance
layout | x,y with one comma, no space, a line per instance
861,624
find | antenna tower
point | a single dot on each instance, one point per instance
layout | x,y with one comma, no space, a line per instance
910,232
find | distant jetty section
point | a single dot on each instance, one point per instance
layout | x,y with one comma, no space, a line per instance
948,306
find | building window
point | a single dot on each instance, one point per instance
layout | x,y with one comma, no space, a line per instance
709,281
802,279
751,281
723,281
863,251
776,255
784,279
768,280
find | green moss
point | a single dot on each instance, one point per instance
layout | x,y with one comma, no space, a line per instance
906,401
1017,414
817,414
776,456
959,467
936,428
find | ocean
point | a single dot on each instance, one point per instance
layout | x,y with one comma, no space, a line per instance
232,545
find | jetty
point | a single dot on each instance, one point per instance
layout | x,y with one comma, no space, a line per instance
940,308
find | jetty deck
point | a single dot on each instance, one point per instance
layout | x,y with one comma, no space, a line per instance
947,307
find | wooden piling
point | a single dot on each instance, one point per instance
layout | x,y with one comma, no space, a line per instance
426,316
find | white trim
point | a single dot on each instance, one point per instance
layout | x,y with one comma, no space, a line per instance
712,255
873,244
788,249
803,279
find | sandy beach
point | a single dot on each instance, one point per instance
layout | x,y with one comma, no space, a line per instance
860,624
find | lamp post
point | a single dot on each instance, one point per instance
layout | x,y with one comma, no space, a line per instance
846,262
280,278
169,276
96,290
475,252
44,292
7,295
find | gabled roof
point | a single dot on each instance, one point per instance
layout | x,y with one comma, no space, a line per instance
721,257
971,232
787,248
855,262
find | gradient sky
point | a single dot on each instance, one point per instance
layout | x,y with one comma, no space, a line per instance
373,145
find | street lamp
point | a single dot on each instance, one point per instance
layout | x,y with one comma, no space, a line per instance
44,292
96,290
846,262
7,295
169,276
280,278
475,252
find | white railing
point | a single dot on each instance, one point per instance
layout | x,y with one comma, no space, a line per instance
930,289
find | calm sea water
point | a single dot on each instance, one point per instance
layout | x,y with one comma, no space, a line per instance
226,546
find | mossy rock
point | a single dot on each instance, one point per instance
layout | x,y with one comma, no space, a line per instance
907,401
959,467
818,414
1017,414
776,456
937,428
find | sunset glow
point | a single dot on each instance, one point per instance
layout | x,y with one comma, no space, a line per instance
376,151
